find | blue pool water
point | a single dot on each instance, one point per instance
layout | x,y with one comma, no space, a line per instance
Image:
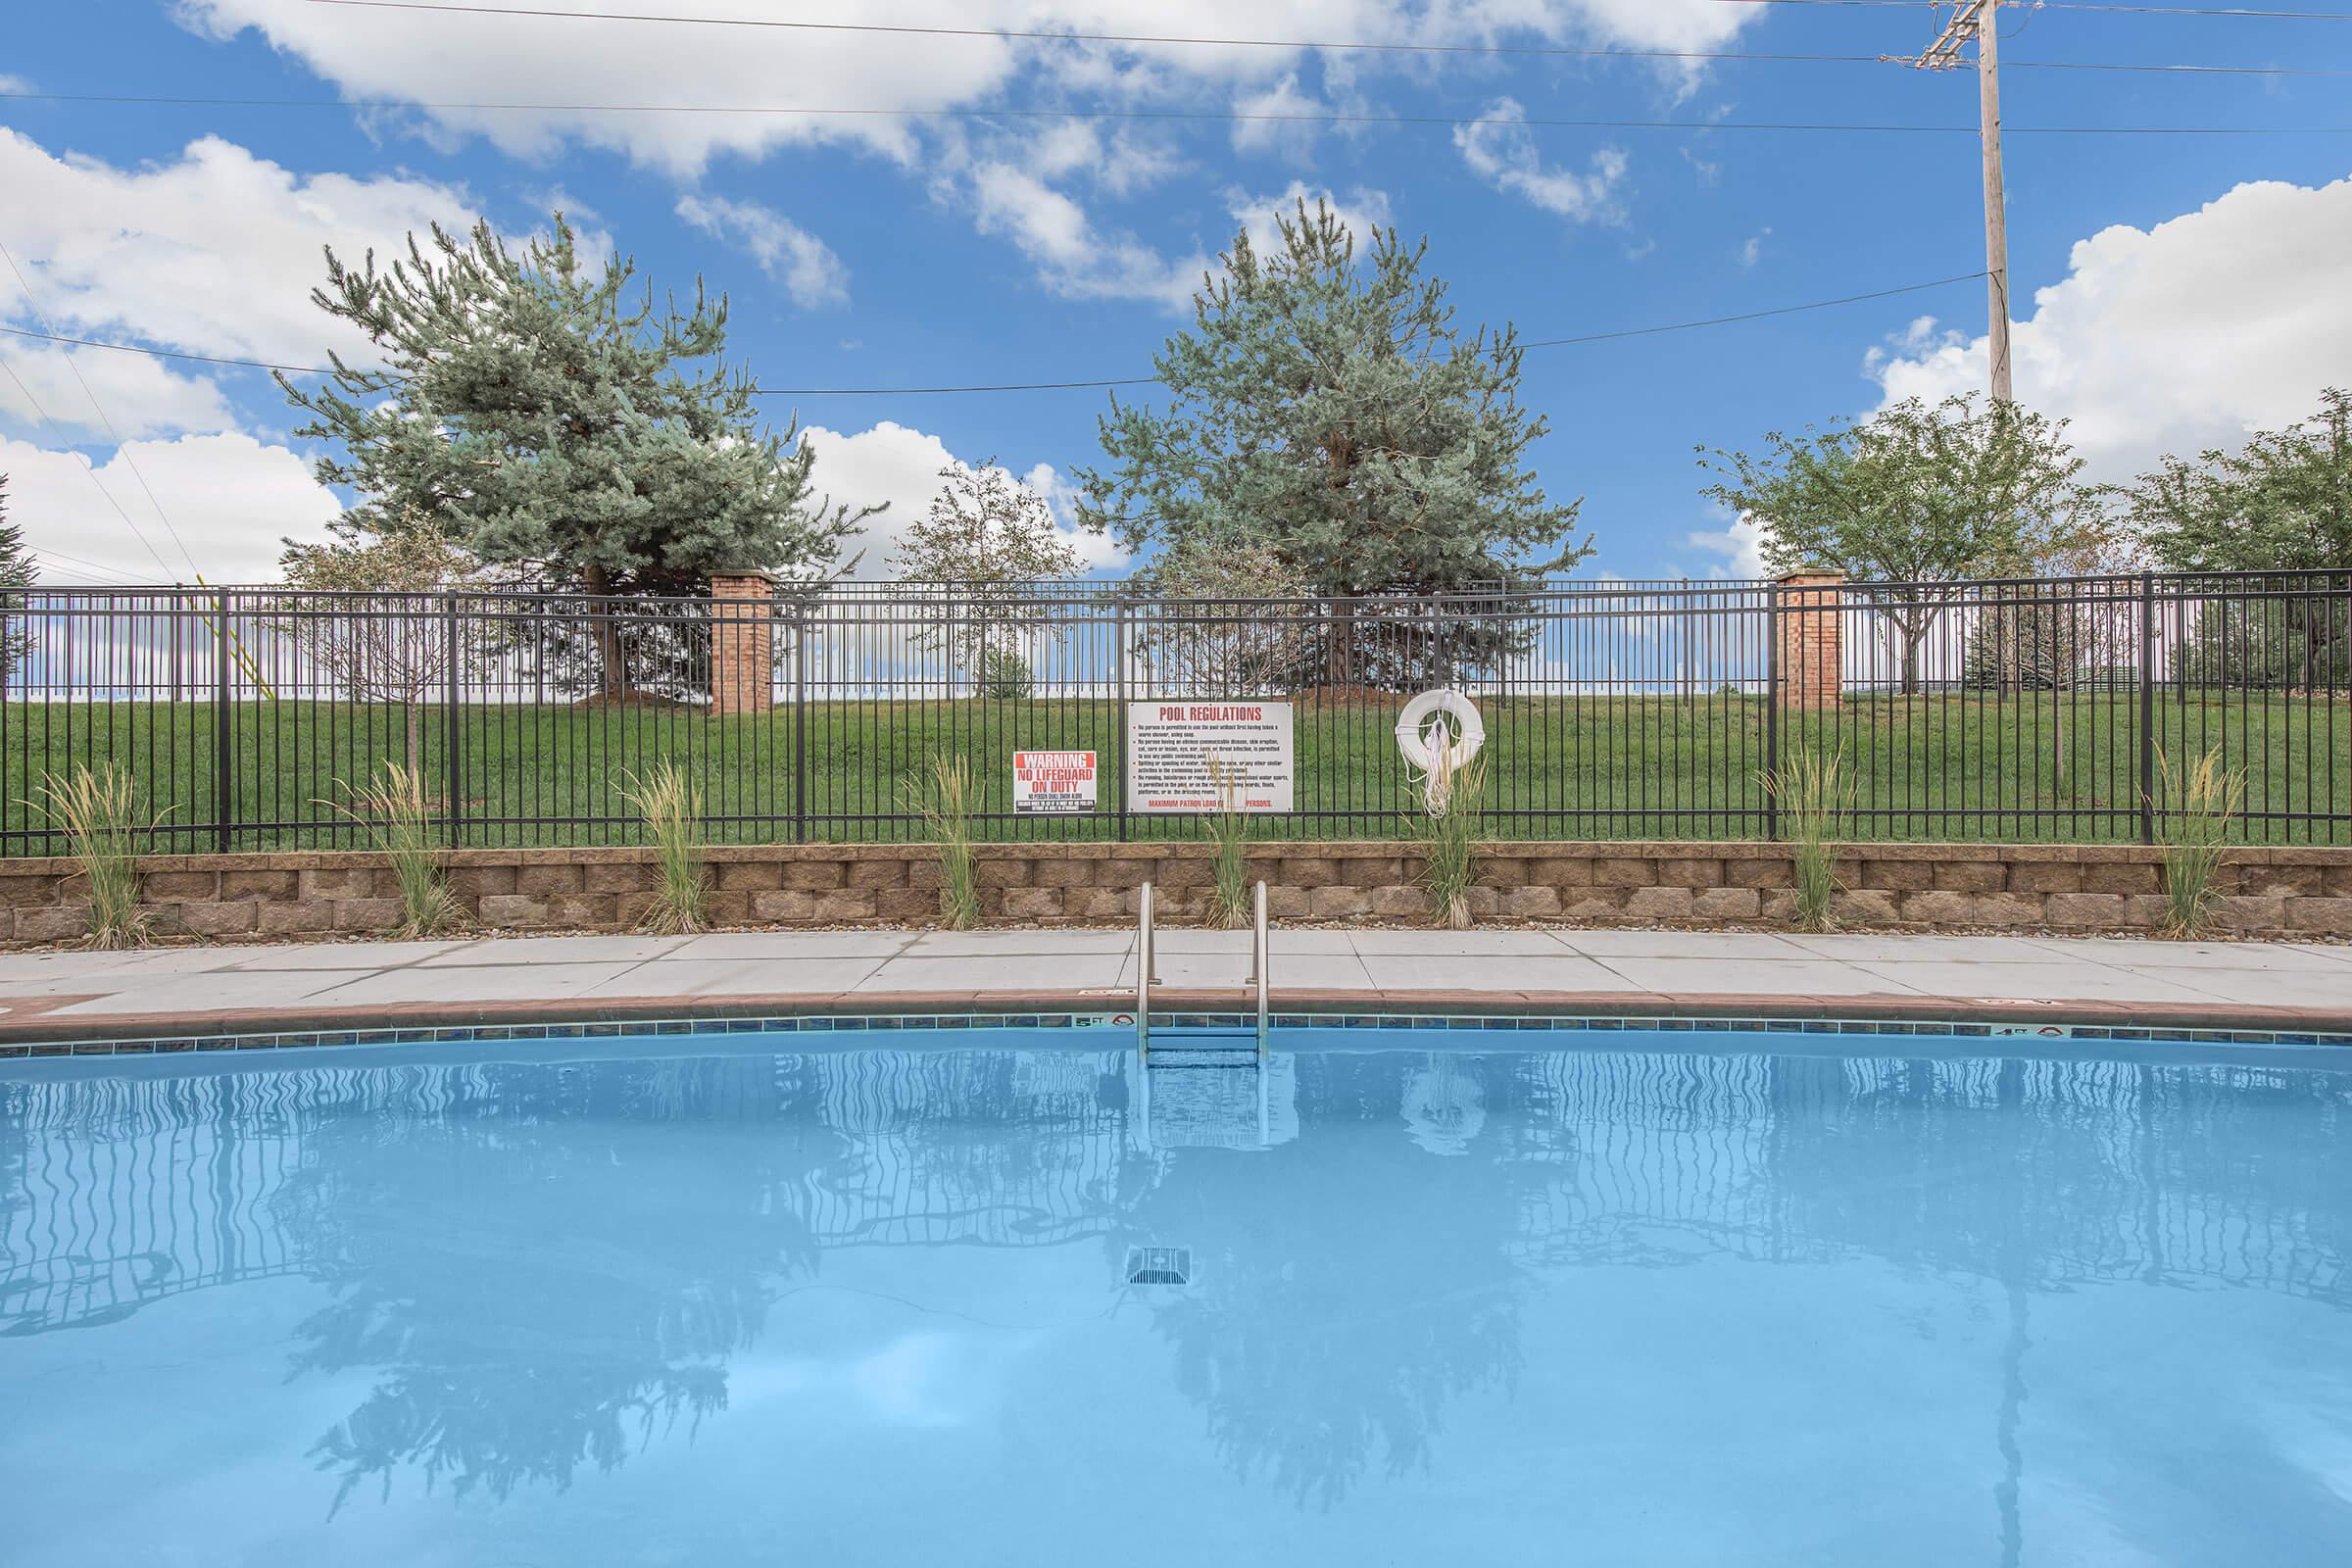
1589,1298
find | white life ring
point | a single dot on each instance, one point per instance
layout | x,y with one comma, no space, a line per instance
1469,730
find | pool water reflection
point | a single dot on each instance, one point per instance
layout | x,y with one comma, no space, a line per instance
700,1301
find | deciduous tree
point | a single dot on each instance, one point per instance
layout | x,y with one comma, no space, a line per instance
1915,498
2282,502
384,636
1227,618
977,555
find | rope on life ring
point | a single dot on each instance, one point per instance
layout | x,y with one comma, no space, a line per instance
1468,730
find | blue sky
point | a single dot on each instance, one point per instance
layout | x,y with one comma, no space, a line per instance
2172,291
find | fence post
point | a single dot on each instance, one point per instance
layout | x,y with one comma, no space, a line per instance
799,717
452,758
1118,721
1772,707
223,784
1811,620
742,643
2148,707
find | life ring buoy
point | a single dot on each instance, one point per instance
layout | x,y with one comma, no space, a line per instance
1469,730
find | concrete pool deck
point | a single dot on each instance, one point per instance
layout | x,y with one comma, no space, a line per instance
64,996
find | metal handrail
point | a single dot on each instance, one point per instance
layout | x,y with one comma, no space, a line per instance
1261,954
1143,972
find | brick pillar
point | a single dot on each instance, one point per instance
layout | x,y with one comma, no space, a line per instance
743,643
1810,627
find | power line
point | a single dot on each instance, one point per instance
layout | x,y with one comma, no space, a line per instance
1839,5
1046,35
1367,46
163,354
53,428
1220,115
1092,385
1755,315
321,370
61,561
2196,11
122,447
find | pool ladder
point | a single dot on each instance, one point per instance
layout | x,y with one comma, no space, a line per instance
1146,965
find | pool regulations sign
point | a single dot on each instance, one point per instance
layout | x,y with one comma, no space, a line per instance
1052,783
1177,750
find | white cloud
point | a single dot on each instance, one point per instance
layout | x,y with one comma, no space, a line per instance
1641,24
807,267
413,58
215,252
230,497
896,464
1740,541
1119,165
1505,155
903,84
1752,252
1360,211
407,57
2189,335
1016,187
1095,552
1072,256
1267,132
139,396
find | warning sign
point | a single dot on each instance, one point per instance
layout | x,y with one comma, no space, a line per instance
1177,754
1052,783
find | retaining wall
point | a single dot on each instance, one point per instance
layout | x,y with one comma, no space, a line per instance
2267,891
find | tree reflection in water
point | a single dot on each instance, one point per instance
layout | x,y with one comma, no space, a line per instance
1312,1361
550,1264
545,1277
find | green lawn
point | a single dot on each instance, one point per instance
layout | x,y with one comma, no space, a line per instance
2038,766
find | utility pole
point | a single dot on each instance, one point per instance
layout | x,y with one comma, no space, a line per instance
1979,20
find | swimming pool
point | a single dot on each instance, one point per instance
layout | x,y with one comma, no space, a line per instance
1012,1297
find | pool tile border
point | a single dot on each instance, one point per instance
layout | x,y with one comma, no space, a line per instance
1098,1019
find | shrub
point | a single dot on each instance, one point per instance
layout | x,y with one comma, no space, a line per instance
1453,838
394,812
945,803
2199,805
1814,793
1229,901
99,812
673,809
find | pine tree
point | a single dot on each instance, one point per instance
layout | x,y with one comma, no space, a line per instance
2025,642
1335,413
18,574
543,412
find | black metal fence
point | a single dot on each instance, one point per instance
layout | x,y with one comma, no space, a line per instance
2043,710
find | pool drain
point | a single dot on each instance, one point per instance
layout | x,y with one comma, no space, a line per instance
1160,1265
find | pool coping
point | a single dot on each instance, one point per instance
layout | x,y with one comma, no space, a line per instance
28,1028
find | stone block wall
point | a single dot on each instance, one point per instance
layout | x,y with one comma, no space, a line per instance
2088,888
